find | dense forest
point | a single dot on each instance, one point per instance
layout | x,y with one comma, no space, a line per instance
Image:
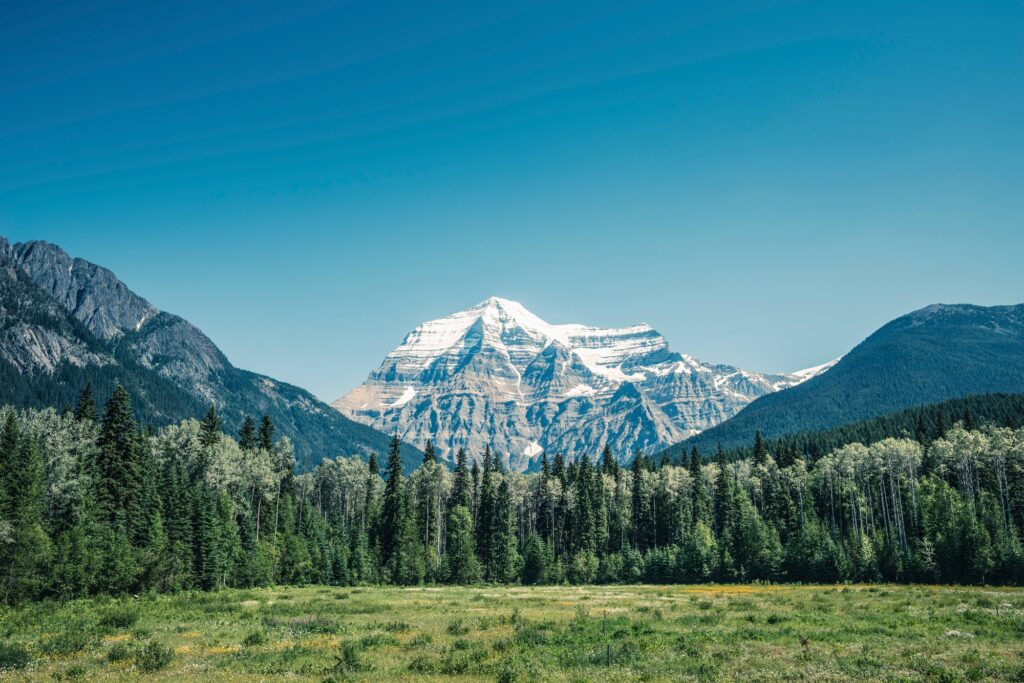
91,502
919,423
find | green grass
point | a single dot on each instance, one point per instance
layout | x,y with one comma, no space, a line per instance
599,633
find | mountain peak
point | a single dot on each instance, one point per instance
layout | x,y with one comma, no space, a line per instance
497,374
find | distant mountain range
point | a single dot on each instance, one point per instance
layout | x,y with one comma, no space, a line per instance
497,375
492,375
65,322
938,353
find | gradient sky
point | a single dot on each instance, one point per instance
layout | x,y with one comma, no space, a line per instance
764,183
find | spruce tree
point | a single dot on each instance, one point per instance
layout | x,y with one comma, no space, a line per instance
391,513
119,476
723,493
760,454
485,527
25,556
247,434
504,543
85,409
462,486
460,555
701,500
266,435
429,455
209,434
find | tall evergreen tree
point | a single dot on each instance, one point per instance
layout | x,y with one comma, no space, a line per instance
701,499
429,455
247,434
210,432
723,493
25,556
85,409
391,512
462,486
266,435
760,453
119,476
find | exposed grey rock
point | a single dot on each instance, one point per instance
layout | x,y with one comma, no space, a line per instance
498,375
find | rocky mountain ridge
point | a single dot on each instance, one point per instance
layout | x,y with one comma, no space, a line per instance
496,374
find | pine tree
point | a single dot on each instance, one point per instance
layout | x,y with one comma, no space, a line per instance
429,455
586,528
504,544
460,556
247,434
391,513
462,486
760,454
210,432
119,476
266,435
723,494
25,556
701,500
485,526
85,409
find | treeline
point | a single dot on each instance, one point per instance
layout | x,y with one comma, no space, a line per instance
921,423
92,503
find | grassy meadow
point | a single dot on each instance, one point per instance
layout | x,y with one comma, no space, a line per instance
596,633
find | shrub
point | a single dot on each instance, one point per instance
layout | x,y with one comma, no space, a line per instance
119,617
65,644
13,656
120,652
347,661
254,639
421,640
457,628
153,656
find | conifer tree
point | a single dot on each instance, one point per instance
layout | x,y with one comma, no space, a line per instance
247,434
609,465
210,432
429,455
462,487
119,476
485,526
701,500
586,528
85,409
391,513
723,493
266,435
760,454
460,555
504,543
23,559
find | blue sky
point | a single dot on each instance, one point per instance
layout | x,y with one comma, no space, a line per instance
765,183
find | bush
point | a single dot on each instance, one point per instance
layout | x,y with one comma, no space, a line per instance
65,644
254,639
13,656
119,618
457,628
120,652
153,656
347,661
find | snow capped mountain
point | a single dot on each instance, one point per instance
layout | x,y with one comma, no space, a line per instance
496,374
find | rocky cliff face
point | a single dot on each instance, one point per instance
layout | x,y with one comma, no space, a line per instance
497,375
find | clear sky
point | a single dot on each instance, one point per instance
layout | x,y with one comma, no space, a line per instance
764,183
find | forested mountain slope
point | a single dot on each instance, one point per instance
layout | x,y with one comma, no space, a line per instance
938,353
66,322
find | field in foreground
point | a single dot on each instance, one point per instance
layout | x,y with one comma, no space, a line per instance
608,633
